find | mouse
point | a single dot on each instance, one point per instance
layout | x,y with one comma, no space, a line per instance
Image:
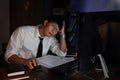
37,68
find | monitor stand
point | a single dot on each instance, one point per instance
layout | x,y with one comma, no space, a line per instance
103,68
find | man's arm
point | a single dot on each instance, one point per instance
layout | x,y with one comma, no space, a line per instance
63,46
31,63
13,47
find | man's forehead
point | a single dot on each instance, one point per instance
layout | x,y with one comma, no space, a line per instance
55,26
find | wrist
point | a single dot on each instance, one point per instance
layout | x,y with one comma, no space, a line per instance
62,35
23,61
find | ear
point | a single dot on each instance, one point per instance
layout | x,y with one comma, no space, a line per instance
45,22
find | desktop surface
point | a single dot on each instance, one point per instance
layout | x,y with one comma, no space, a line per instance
41,75
73,75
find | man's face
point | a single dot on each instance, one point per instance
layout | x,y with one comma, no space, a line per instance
51,29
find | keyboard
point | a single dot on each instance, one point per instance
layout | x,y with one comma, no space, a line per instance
65,68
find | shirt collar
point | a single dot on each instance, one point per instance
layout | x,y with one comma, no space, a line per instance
36,32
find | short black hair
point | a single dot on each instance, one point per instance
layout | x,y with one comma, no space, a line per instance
57,19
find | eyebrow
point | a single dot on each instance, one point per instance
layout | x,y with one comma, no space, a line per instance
55,26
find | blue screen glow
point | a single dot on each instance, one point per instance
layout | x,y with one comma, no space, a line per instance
95,5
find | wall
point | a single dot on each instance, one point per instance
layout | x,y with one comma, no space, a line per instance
28,12
4,22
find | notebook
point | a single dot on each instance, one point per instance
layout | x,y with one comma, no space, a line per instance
14,69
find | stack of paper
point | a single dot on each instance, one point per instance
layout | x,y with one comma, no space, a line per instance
51,61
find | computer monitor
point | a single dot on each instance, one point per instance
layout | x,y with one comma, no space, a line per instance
90,42
87,46
87,43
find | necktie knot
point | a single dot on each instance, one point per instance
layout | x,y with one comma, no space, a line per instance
40,38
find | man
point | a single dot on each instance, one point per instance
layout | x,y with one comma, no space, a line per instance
24,42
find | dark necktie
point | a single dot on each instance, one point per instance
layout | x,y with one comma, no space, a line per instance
40,48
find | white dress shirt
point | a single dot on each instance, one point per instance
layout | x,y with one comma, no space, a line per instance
25,40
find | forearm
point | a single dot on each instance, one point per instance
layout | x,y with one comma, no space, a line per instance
31,63
16,59
63,46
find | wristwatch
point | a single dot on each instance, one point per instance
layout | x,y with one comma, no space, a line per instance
62,35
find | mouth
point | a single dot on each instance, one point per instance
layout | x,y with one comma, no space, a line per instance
50,33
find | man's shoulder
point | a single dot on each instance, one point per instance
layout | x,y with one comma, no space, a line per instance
26,28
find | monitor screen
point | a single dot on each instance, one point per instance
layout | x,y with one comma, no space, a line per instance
95,5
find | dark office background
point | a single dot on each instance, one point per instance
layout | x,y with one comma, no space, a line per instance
31,12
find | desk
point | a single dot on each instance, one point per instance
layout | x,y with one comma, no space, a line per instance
46,75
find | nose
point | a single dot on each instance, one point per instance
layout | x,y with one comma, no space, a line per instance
53,32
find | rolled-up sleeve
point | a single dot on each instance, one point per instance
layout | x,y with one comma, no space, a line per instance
55,48
14,44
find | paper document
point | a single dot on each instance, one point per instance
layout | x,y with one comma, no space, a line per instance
51,61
